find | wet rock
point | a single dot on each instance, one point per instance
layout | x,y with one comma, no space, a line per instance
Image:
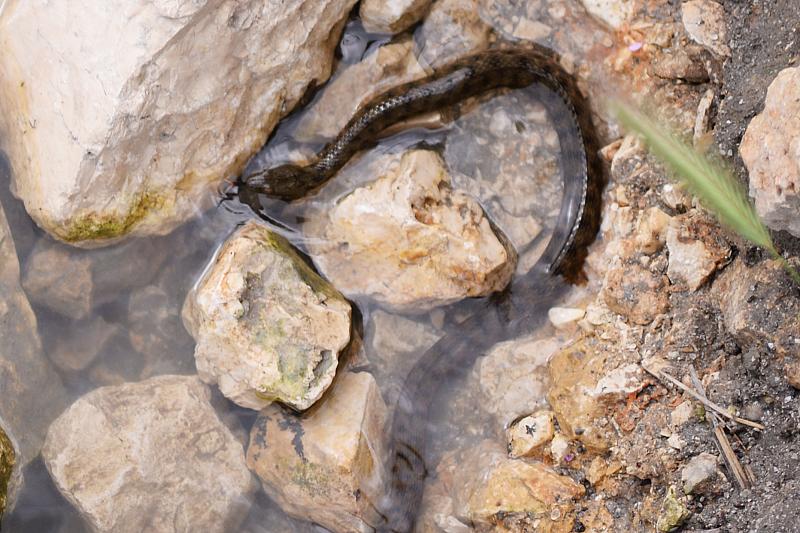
564,317
156,332
453,28
704,21
583,389
136,142
696,250
409,241
613,12
8,459
673,512
512,377
267,327
152,456
651,231
73,282
760,307
392,16
81,343
388,66
699,474
28,382
512,494
636,292
326,467
770,149
528,435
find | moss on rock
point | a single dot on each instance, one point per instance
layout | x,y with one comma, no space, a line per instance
7,462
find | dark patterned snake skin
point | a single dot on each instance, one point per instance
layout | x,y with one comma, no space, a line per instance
521,306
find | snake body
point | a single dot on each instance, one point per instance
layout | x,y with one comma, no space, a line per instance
529,296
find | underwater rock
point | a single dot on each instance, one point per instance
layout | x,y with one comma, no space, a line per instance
149,456
80,343
408,240
388,66
512,377
696,250
512,494
771,151
127,123
704,21
72,282
392,16
328,465
267,327
28,382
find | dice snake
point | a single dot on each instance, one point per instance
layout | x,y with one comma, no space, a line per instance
523,304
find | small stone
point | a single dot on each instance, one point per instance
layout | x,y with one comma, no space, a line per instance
770,150
696,249
149,456
673,512
681,64
564,317
699,473
681,414
613,12
326,467
702,123
792,370
409,241
753,411
651,230
675,197
559,447
528,435
676,442
392,16
636,293
531,30
704,21
267,327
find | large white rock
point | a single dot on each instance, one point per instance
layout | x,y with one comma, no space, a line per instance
149,456
267,326
771,151
408,240
121,116
328,466
391,16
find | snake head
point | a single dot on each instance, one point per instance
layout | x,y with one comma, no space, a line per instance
287,182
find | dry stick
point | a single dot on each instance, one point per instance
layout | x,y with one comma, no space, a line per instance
708,403
742,478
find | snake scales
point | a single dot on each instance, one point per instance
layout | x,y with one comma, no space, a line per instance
525,302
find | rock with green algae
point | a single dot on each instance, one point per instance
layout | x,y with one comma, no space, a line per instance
326,466
267,327
7,462
673,512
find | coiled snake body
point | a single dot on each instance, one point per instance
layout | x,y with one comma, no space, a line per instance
528,298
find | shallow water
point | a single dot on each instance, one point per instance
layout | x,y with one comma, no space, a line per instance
503,151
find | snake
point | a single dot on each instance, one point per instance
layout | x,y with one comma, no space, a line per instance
522,304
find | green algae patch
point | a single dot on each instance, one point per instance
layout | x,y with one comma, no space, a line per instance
96,227
7,462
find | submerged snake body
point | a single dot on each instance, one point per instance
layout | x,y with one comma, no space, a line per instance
529,297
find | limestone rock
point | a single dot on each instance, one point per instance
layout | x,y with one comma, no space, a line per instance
528,435
771,151
452,29
409,241
704,21
512,494
699,473
328,466
113,129
73,282
612,12
267,326
388,66
512,377
150,456
696,249
651,231
391,16
564,317
28,383
636,293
